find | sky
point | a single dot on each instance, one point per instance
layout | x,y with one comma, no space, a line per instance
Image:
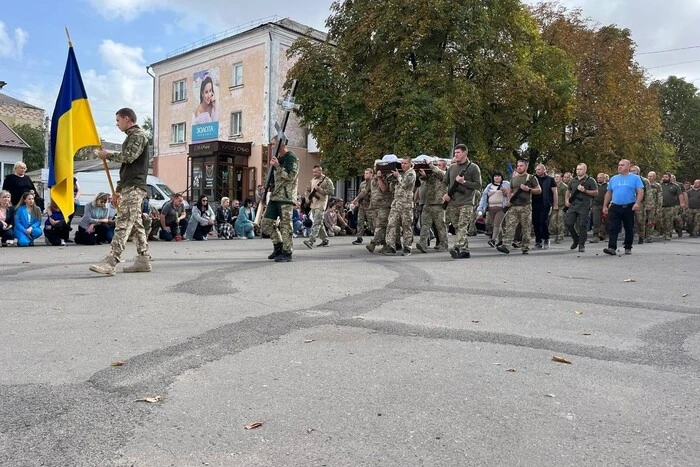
115,40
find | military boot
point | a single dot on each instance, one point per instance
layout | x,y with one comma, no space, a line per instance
106,266
142,263
276,252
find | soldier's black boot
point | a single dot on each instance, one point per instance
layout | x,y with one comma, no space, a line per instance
283,257
276,252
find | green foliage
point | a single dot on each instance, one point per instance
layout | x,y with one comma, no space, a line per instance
34,137
680,116
401,76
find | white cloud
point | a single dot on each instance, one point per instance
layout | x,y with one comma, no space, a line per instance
12,47
121,82
214,16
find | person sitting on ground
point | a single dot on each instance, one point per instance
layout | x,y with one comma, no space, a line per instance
245,225
56,229
7,215
27,221
330,220
297,224
224,220
172,219
202,221
94,227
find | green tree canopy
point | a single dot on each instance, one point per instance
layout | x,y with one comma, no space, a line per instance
401,76
34,137
680,116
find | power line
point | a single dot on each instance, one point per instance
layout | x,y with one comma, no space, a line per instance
668,50
672,64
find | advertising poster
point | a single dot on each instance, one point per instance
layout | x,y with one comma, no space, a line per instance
205,121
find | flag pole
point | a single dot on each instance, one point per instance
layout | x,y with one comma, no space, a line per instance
104,162
70,43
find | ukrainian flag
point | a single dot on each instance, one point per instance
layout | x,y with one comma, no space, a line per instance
72,128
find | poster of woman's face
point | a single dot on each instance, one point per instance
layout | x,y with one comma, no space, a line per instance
205,121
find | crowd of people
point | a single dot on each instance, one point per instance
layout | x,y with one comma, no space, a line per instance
394,207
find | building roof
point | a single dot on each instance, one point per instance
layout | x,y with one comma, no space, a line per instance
7,100
284,23
10,139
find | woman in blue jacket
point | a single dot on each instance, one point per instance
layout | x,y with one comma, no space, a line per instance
27,221
245,227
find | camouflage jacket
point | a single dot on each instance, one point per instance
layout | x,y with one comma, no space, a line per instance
653,198
436,186
403,193
285,179
134,159
365,193
379,198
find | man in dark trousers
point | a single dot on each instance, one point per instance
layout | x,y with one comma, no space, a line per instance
622,200
542,204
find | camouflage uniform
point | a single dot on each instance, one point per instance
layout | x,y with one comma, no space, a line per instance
520,212
132,190
556,217
364,213
640,217
433,214
283,198
670,194
694,212
460,209
324,187
652,203
380,205
401,213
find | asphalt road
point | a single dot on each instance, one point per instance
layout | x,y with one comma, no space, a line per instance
351,359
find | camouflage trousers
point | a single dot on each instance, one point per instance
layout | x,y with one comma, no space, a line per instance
129,220
318,229
462,217
556,223
517,216
600,225
694,221
381,219
281,233
400,218
641,224
653,222
666,220
364,220
433,215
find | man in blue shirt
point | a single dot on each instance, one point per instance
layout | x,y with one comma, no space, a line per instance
622,200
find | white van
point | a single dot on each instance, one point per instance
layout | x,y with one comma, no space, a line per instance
92,183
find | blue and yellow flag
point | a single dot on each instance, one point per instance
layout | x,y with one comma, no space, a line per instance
72,128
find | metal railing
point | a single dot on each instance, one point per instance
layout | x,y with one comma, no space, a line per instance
223,35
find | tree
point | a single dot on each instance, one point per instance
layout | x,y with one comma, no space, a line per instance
401,76
616,114
34,137
680,116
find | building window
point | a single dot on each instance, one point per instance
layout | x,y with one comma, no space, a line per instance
178,133
236,123
180,90
237,75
